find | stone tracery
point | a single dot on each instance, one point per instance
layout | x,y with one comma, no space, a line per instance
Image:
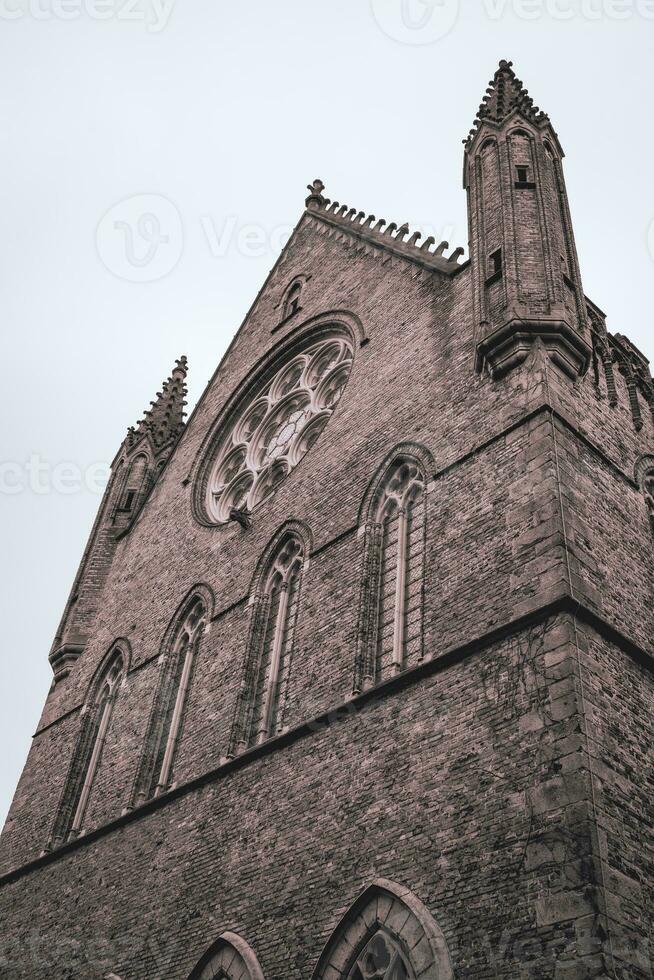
165,725
387,934
279,425
648,490
86,760
261,706
391,605
381,959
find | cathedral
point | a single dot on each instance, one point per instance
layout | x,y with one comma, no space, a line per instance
355,677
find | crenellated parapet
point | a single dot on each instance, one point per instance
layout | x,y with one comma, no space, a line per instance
394,239
615,352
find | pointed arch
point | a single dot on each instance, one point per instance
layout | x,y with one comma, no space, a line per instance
291,298
391,609
230,958
644,473
179,652
343,328
87,756
387,934
644,466
274,607
136,481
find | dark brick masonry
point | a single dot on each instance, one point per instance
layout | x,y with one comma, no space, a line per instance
486,808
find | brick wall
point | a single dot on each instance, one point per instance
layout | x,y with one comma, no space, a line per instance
447,785
456,783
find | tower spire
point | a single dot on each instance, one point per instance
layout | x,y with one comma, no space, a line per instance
506,94
147,448
525,272
164,420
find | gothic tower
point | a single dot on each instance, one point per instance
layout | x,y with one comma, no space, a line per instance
356,677
527,283
135,469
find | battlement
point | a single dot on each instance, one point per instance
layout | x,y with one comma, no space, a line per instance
396,239
616,350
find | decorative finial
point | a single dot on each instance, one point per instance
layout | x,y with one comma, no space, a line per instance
505,95
315,198
165,419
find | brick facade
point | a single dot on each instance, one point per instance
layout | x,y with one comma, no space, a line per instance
488,808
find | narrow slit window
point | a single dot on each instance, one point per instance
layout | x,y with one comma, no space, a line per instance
167,716
182,661
281,606
495,264
393,586
523,175
648,490
565,269
261,707
128,501
87,758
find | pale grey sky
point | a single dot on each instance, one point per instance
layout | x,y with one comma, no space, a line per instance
225,111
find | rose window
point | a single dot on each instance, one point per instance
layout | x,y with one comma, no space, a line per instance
277,427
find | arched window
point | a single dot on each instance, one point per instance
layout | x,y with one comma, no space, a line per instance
292,300
388,934
391,630
260,714
648,490
275,424
166,721
135,481
95,724
230,958
381,959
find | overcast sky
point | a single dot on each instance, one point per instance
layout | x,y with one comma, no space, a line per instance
212,118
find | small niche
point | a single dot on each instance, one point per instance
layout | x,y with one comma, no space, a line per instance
128,502
523,179
494,269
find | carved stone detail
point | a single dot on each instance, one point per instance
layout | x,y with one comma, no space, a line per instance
509,346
